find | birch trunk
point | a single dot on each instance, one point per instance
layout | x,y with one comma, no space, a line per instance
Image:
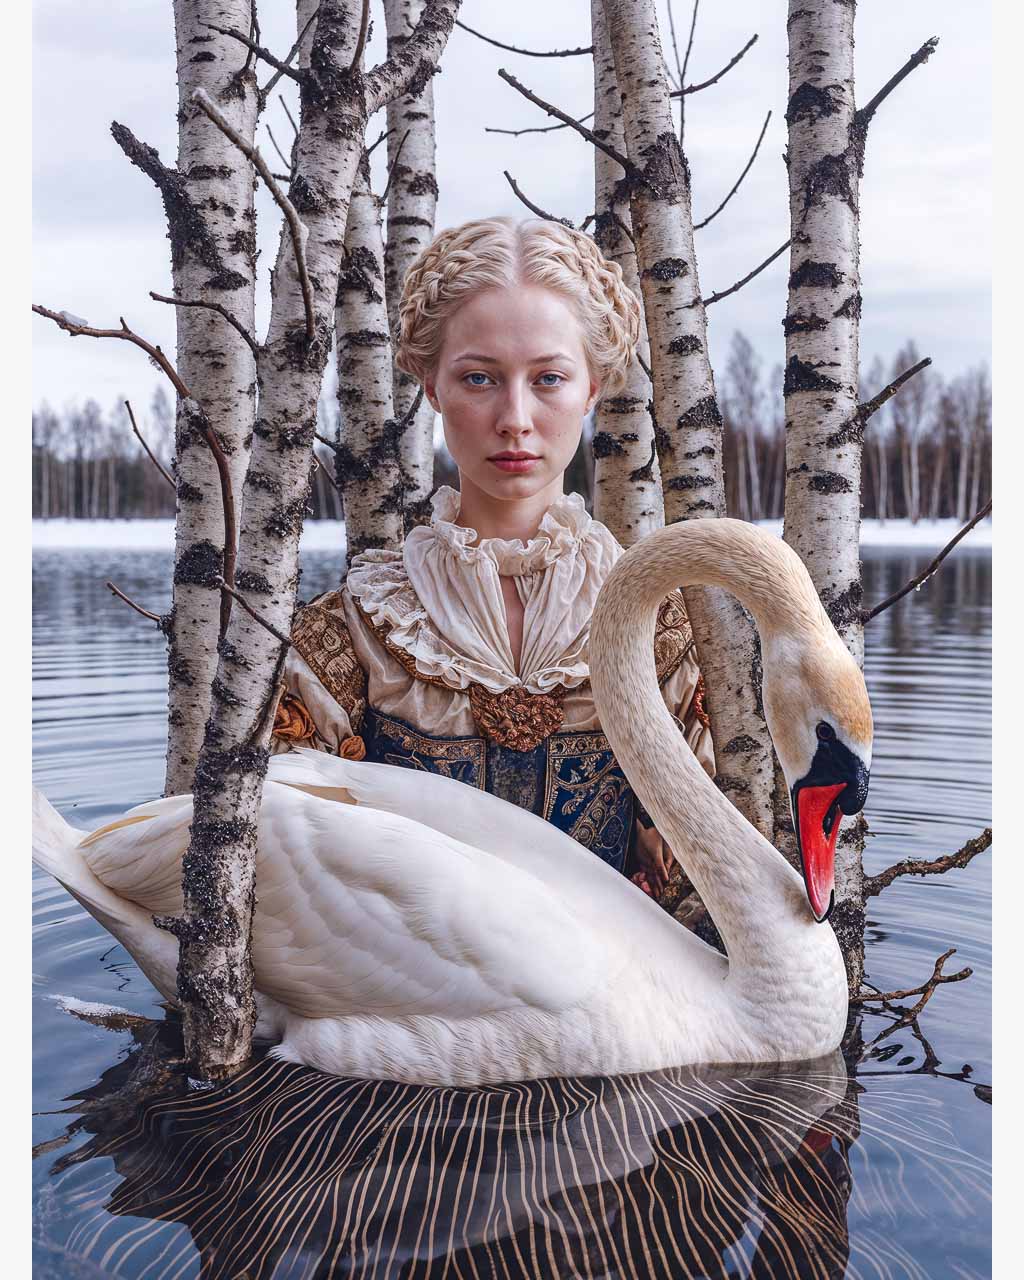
687,416
627,478
211,225
412,203
367,464
215,968
824,436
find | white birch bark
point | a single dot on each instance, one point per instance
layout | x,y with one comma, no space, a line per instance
367,463
215,969
412,203
687,416
627,478
211,224
824,436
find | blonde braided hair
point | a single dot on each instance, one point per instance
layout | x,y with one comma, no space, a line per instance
493,253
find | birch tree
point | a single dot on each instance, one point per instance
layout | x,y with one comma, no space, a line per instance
215,971
208,201
687,417
627,478
412,202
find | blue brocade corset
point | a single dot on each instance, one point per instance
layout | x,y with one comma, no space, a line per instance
571,779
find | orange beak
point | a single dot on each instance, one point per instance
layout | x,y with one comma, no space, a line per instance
817,825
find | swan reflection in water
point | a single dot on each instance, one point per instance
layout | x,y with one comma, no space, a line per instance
289,1173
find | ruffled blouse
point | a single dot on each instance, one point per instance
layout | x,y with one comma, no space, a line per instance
439,601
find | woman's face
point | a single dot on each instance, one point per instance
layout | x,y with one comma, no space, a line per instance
513,386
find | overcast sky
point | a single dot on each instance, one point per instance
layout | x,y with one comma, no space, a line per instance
100,239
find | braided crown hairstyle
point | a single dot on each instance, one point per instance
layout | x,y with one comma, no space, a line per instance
491,253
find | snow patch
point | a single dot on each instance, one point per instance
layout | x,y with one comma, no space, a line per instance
89,1008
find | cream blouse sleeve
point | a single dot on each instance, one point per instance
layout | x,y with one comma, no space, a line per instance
683,692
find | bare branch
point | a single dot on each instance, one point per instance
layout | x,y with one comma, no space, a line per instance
393,167
543,128
530,53
717,297
286,162
357,56
319,466
373,146
870,407
592,138
926,990
282,67
152,456
706,84
534,208
757,147
153,617
254,31
236,324
266,90
686,63
863,117
237,595
331,444
922,578
203,100
78,328
920,867
291,118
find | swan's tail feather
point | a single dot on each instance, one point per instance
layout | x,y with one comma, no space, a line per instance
56,850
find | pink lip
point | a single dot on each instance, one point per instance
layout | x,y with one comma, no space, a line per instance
514,462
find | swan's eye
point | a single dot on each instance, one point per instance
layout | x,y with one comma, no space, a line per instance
825,732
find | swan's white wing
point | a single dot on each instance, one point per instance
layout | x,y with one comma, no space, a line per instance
360,911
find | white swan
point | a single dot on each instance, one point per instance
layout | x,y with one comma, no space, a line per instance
429,932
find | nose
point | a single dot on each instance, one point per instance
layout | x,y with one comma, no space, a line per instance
513,412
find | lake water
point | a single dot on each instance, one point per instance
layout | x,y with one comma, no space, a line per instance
877,1166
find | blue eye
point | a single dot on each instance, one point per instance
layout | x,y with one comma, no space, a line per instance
469,376
557,376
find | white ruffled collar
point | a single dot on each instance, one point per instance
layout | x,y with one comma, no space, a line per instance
564,526
440,597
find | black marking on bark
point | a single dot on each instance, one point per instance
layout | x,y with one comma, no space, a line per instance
240,760
804,377
689,482
702,505
287,520
646,472
851,432
799,323
423,184
188,492
685,346
848,922
358,271
829,482
622,404
816,275
705,413
179,670
666,269
243,241
605,445
289,435
253,583
366,338
851,308
203,172
814,102
232,655
832,176
665,172
844,607
408,220
705,451
263,482
742,743
203,55
222,694
728,785
199,565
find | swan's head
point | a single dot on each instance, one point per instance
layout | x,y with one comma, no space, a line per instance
818,712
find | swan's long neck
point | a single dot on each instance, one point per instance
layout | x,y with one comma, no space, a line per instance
747,886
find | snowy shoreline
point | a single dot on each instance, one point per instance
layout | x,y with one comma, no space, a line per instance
328,535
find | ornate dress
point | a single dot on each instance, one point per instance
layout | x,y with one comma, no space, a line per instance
410,664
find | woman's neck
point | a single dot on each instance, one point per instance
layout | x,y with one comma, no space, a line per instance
517,518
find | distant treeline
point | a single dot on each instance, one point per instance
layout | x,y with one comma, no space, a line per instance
927,452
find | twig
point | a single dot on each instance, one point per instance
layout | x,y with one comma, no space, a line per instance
686,63
237,595
236,324
254,31
282,67
265,91
284,160
331,444
926,990
410,413
717,297
153,617
870,407
78,328
543,128
152,456
753,157
921,867
922,578
203,100
592,138
530,53
385,133
364,20
393,167
706,84
535,208
291,118
863,117
326,474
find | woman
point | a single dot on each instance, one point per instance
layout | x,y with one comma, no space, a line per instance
465,652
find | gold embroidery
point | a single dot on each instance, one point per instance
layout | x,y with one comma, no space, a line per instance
603,788
515,718
444,753
673,638
321,637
